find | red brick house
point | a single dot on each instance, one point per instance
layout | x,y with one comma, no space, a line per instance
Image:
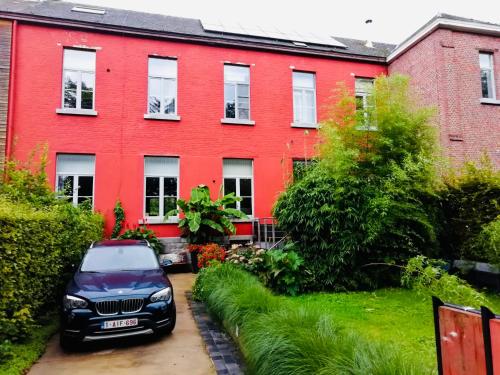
143,107
454,64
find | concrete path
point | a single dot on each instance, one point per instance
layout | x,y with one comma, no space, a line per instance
182,352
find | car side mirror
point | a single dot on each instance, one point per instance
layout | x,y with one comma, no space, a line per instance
166,262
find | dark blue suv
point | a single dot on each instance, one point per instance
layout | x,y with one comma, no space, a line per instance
119,290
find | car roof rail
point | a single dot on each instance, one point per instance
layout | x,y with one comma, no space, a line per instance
92,245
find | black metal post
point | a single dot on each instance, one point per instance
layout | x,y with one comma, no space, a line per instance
486,316
436,303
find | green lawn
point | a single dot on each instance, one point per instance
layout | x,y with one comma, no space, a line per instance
392,315
27,352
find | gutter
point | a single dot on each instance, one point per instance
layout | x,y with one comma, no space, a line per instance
123,30
12,75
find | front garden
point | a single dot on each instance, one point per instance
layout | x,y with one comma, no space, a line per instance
374,226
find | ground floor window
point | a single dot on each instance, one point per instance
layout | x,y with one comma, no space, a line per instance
75,178
238,179
161,185
301,167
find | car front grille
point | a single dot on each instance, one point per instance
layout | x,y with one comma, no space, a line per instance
113,307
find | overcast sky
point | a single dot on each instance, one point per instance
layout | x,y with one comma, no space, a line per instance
393,20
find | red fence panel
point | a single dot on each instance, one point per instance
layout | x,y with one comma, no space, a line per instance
461,342
495,344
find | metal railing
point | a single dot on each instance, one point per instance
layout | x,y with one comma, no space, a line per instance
266,233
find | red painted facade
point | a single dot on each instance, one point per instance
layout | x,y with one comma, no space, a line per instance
120,137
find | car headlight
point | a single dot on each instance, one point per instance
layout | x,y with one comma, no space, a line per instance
162,295
72,302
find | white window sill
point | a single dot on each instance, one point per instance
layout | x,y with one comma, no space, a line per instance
159,220
304,125
75,111
235,121
249,219
161,116
490,101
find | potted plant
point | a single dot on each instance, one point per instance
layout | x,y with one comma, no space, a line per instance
205,220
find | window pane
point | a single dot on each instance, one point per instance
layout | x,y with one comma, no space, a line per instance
152,206
87,100
485,60
297,104
303,80
169,88
243,114
245,187
486,86
230,100
229,185
170,187
230,110
238,74
69,98
79,60
87,81
162,67
81,200
169,204
70,80
65,185
243,91
154,95
85,186
246,205
153,186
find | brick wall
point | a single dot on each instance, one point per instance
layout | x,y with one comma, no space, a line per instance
5,45
120,137
444,68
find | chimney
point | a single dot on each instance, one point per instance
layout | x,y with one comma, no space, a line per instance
368,28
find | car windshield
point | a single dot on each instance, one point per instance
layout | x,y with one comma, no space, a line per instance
119,258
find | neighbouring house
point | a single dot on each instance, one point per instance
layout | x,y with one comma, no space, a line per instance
454,64
143,107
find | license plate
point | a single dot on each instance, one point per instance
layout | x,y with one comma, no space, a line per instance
109,324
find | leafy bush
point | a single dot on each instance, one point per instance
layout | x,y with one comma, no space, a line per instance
486,245
278,338
36,248
40,237
119,219
282,270
470,202
143,233
370,197
429,278
205,219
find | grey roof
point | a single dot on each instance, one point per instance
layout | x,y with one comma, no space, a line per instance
168,26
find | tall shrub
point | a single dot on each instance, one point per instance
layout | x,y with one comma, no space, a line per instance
370,198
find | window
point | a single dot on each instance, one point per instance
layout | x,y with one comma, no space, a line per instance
487,76
162,86
363,90
238,179
304,98
78,79
75,177
301,167
237,92
161,185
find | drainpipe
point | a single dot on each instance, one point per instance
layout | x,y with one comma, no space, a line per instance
10,110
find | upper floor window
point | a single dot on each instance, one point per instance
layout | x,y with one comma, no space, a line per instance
237,92
162,86
487,75
78,79
238,179
363,88
75,177
304,98
161,185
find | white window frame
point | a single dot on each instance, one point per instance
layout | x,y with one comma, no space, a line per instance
235,85
79,82
163,78
303,90
76,176
237,179
491,73
161,195
359,92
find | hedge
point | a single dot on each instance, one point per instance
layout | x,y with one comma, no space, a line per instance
277,338
37,247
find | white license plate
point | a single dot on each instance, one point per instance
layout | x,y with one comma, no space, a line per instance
109,324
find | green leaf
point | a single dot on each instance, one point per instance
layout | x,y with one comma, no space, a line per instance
234,212
194,221
212,224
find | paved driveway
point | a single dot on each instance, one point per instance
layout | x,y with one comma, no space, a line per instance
182,352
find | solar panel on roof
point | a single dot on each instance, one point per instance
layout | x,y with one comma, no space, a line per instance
293,36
